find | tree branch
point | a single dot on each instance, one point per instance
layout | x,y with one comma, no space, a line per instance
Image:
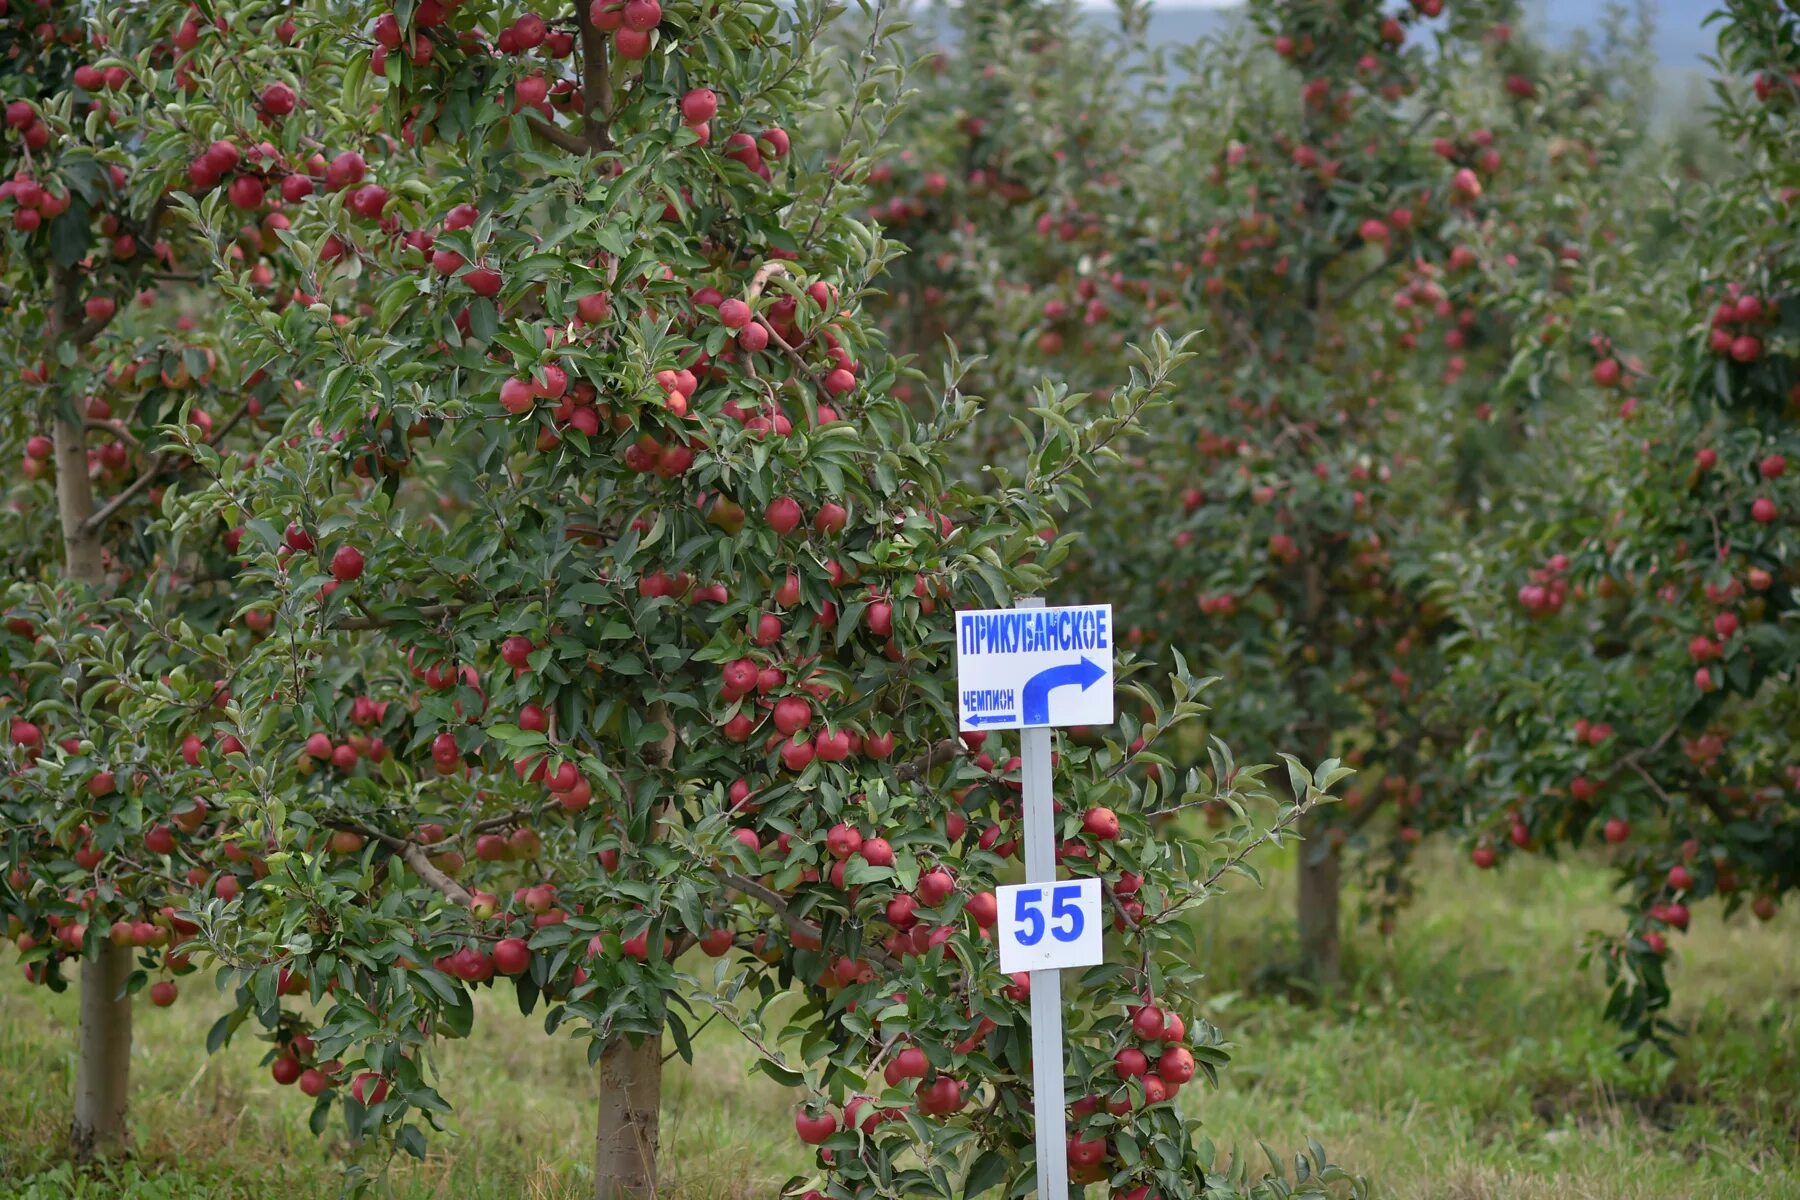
159,467
429,612
939,754
798,924
414,856
556,135
763,274
1244,851
1388,263
88,330
117,429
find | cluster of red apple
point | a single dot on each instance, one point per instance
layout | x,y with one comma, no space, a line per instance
1151,1068
1733,321
1420,295
346,754
1674,914
1477,150
163,930
1545,595
22,117
296,1063
527,33
33,203
629,21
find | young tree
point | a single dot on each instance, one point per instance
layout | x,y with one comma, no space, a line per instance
580,600
1632,638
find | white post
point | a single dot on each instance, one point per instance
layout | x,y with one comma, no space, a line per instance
1046,986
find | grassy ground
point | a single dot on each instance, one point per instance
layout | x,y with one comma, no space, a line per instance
1467,1062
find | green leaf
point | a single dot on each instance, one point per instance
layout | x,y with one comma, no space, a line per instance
411,1140
987,1172
484,319
70,234
779,1073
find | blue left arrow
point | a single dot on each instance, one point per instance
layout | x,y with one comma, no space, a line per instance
1037,689
996,719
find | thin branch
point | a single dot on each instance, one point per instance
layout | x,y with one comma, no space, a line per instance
939,754
798,924
1128,421
117,429
718,1006
1356,285
1706,798
1244,851
1654,786
763,274
88,330
869,58
556,135
159,467
1631,760
429,612
696,1033
414,856
799,359
1198,894
515,817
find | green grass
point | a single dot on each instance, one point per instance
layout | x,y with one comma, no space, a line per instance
1467,1061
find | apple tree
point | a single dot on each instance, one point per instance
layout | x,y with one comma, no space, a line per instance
571,615
105,345
1632,652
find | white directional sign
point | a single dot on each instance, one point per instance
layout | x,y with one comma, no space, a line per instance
1034,668
1049,926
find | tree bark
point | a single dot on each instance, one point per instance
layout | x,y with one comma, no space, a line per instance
102,1071
1319,891
103,1047
82,562
630,1104
103,1054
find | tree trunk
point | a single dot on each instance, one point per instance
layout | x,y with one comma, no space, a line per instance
630,1100
103,1063
102,1070
75,503
1319,887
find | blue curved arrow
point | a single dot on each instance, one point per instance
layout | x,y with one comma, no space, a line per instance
1037,689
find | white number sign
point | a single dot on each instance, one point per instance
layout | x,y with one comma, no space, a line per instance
1049,926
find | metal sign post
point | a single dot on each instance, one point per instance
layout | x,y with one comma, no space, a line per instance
1033,669
1046,986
